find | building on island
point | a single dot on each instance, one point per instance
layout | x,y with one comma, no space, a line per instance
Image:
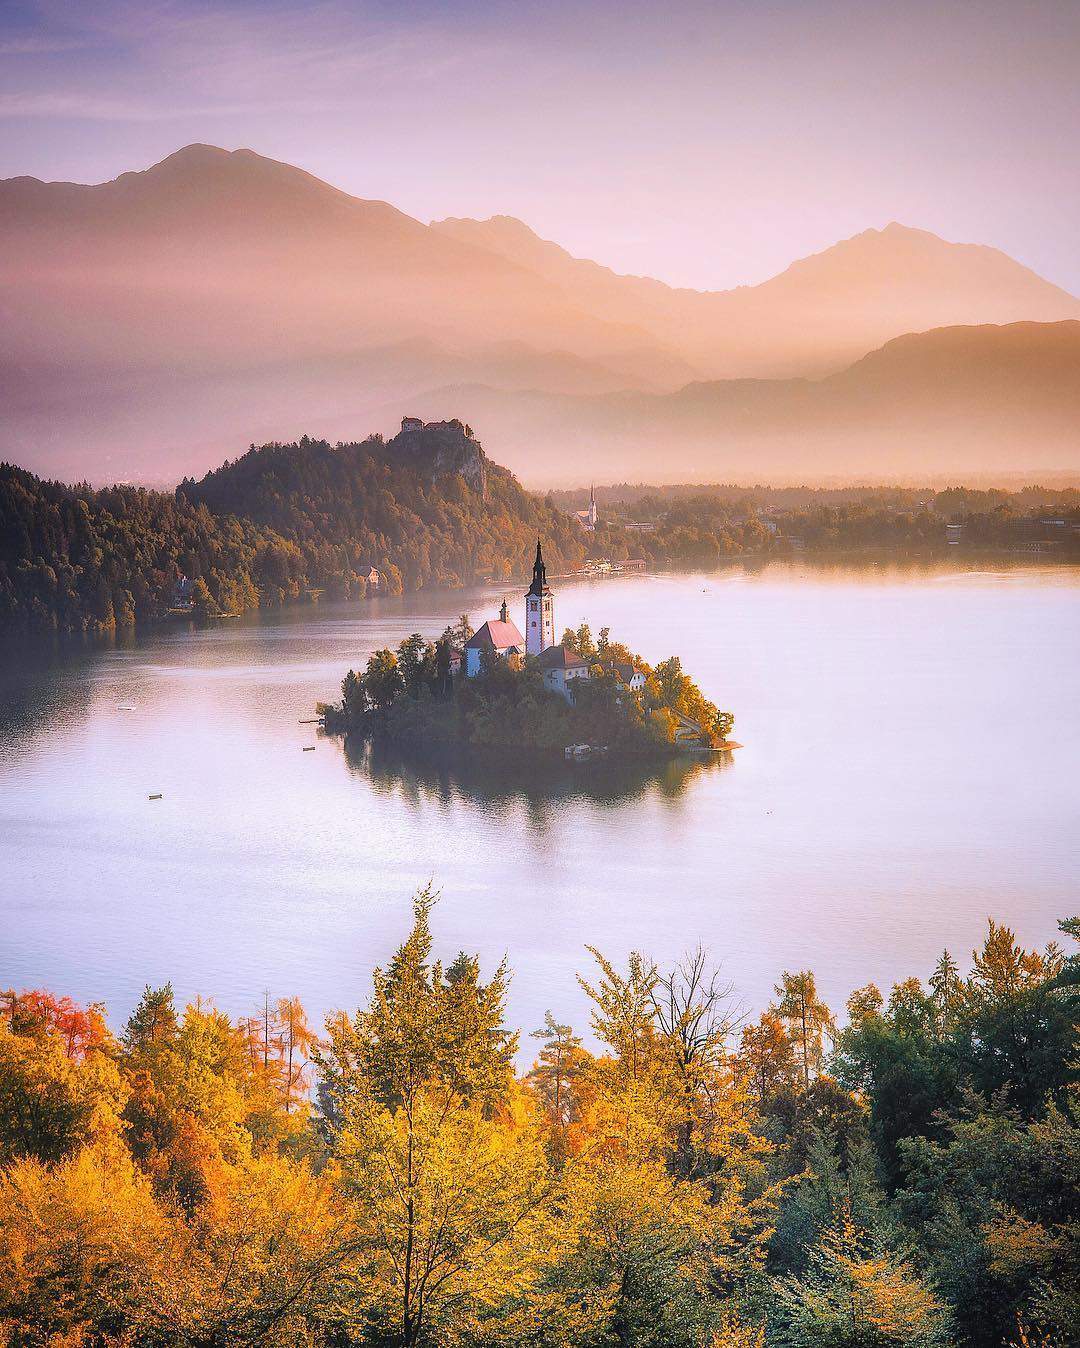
539,609
627,674
588,518
560,668
500,638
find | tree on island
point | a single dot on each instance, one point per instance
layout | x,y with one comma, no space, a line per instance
411,697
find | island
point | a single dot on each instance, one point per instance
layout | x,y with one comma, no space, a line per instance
493,689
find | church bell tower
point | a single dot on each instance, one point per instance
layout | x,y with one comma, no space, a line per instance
539,610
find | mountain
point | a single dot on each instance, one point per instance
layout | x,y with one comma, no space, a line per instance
150,325
960,400
821,313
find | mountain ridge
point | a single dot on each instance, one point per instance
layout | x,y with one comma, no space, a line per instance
967,399
150,323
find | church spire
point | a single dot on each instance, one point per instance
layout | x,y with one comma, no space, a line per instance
539,609
539,580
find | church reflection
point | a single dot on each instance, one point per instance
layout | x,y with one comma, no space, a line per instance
542,785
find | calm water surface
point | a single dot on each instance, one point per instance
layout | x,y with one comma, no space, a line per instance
910,766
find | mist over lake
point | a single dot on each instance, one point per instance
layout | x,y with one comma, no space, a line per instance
908,769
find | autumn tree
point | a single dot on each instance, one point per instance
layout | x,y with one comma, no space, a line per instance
766,1057
272,1255
807,1019
80,1029
440,1151
857,1294
651,1232
49,1098
297,1040
87,1255
693,1011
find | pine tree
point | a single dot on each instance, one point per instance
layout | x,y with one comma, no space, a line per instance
555,1073
154,1022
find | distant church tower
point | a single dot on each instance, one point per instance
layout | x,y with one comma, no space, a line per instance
539,610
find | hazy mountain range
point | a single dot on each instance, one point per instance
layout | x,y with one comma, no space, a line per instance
152,325
969,401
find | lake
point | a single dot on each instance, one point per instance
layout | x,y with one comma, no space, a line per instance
911,741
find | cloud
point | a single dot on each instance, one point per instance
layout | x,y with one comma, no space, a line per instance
322,44
161,61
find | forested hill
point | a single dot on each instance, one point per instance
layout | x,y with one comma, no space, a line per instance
428,508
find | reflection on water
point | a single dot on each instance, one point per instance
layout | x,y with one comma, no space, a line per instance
37,690
911,738
544,786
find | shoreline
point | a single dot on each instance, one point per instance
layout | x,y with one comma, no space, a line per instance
40,639
463,751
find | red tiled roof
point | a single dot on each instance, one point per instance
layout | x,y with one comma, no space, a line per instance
495,635
558,657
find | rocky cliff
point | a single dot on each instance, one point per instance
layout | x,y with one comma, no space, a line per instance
442,448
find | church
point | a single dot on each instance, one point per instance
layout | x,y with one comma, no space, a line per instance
501,639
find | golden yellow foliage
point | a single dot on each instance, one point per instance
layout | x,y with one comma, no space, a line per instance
85,1248
448,1204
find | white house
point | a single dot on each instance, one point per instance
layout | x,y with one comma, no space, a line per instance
628,674
561,669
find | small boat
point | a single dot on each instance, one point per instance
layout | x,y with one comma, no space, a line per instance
578,752
125,706
157,797
309,748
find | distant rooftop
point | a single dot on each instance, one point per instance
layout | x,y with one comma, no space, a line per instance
558,657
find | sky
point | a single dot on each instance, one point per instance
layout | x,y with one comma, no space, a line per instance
707,144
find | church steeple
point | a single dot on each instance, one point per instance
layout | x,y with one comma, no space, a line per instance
539,609
539,580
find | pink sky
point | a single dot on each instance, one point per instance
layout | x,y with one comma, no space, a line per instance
706,144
